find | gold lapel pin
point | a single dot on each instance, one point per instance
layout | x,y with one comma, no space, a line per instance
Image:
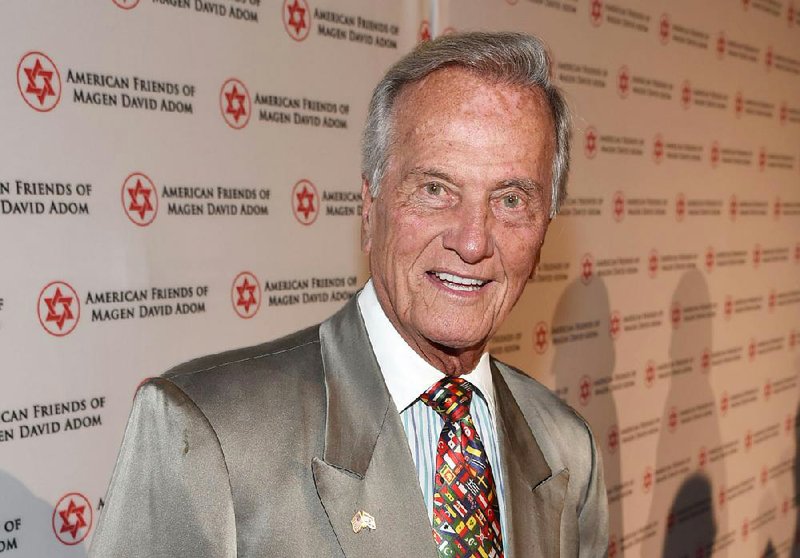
362,520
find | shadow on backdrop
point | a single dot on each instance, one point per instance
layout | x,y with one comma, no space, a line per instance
697,528
594,358
683,507
35,537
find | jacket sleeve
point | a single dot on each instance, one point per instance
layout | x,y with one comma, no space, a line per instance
593,516
170,493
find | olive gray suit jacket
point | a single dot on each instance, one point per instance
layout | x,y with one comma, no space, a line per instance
271,450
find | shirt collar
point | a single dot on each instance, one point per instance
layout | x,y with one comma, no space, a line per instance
405,373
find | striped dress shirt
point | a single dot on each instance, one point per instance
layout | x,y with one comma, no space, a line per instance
407,375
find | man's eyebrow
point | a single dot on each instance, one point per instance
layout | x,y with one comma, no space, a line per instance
526,184
432,173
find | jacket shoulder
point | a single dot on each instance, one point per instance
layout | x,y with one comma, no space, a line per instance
230,362
532,396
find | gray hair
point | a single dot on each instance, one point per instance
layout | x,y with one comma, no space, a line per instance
512,58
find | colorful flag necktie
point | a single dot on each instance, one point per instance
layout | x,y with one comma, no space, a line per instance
466,516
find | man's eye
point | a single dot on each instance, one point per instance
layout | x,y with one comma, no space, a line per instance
434,189
511,200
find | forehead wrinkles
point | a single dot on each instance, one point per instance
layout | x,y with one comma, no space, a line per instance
457,93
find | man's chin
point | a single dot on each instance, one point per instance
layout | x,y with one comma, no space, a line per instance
457,343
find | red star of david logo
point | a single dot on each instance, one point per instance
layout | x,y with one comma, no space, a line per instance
246,295
234,102
652,263
72,519
680,207
783,113
702,457
733,207
140,199
619,206
721,496
68,525
767,389
585,390
768,57
614,325
748,440
59,309
728,306
590,144
739,104
710,259
424,31
540,337
673,419
686,94
756,255
236,105
724,402
714,154
295,19
762,159
658,149
613,438
676,315
647,480
39,82
650,374
623,81
664,28
705,360
586,268
597,12
721,45
55,309
305,202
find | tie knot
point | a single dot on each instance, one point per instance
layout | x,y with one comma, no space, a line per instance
450,397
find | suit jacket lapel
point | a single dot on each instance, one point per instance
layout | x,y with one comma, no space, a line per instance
534,496
367,465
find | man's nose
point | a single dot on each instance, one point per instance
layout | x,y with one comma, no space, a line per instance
469,232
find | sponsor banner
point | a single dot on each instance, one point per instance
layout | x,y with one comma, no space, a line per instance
159,202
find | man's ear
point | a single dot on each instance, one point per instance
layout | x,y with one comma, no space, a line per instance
366,208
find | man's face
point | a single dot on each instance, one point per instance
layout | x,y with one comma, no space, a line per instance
463,209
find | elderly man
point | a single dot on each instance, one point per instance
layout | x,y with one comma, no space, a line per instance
388,430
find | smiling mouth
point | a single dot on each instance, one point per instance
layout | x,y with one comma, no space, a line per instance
458,283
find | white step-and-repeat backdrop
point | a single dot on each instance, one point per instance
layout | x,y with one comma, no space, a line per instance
179,177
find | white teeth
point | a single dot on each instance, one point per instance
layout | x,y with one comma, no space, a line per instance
460,283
